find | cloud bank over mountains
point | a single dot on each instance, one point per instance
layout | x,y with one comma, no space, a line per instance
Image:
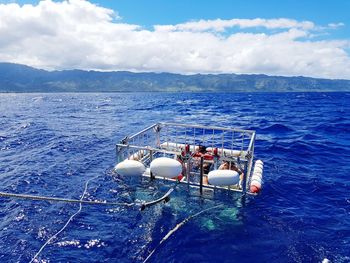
78,34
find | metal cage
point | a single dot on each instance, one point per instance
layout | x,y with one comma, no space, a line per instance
175,139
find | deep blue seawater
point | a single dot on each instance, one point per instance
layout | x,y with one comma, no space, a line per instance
50,144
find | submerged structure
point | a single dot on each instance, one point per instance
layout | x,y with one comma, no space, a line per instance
206,157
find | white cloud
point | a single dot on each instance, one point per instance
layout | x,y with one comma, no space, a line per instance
79,34
335,25
220,25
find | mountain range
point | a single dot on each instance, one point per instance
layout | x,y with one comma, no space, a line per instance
22,78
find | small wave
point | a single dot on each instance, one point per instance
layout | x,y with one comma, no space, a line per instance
277,128
20,217
94,243
187,102
154,107
25,125
311,137
105,100
42,233
37,99
104,105
73,243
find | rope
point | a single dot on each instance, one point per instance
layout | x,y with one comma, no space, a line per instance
165,197
80,202
143,205
58,199
67,223
177,227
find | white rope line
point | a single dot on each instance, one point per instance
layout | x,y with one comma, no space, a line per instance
80,201
58,199
69,220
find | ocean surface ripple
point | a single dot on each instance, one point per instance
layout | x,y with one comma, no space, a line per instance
50,144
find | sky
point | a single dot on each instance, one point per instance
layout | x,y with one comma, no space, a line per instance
284,38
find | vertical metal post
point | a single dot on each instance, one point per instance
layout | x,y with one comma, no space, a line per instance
242,147
203,141
201,175
150,160
158,139
188,170
244,181
216,162
157,129
150,155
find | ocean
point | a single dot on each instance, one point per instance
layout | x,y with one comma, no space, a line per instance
51,144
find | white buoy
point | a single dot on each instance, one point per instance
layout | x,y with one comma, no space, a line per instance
165,167
258,170
130,168
223,177
259,162
256,180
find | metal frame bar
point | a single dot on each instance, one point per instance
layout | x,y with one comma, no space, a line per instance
143,131
206,127
197,185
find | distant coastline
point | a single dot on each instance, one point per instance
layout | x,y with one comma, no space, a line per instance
17,78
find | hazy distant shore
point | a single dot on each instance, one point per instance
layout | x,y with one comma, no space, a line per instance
15,78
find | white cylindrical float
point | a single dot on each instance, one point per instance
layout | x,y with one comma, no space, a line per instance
258,170
130,168
223,177
178,146
256,180
165,167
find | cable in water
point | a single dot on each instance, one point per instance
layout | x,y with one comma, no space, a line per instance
58,199
81,201
67,223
